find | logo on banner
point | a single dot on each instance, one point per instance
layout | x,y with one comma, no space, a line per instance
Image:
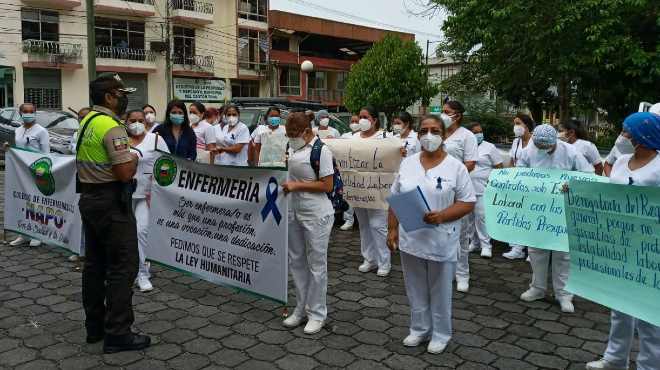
165,170
271,202
42,173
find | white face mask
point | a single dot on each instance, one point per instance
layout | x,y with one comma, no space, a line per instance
296,143
232,121
135,128
365,124
431,142
518,131
194,119
150,117
624,145
354,127
546,151
324,122
446,120
397,129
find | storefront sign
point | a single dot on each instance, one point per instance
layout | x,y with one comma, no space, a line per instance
199,89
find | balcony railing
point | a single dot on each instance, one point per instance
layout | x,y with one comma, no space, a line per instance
146,2
202,62
192,5
290,90
112,52
54,52
325,95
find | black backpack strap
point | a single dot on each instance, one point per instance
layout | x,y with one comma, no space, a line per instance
84,128
315,156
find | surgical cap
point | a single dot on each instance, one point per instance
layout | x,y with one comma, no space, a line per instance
322,114
644,127
544,135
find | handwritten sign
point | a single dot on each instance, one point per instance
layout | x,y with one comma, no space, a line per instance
614,233
368,168
526,206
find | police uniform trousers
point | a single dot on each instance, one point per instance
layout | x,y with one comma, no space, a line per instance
373,236
308,264
111,262
429,290
463,265
141,212
540,261
622,334
476,230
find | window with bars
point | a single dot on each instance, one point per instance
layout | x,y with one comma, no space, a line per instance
245,89
118,33
184,45
342,79
254,10
290,81
39,25
44,98
252,49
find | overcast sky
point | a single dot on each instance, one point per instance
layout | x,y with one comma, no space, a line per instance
386,14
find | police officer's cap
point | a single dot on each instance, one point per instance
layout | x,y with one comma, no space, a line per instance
109,81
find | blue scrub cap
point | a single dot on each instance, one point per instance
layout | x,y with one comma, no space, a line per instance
544,135
644,128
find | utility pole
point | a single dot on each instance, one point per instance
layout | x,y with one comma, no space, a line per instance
424,107
91,43
168,52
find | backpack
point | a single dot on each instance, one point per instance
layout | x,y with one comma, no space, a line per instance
336,196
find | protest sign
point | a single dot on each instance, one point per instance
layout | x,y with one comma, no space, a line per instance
614,233
273,150
40,197
368,168
226,225
526,206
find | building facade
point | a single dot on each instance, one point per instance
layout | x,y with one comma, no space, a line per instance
44,51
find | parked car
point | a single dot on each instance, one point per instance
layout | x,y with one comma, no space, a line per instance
60,125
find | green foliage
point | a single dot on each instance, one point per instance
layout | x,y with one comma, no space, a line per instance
494,126
391,77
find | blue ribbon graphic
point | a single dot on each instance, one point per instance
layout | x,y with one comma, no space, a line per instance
271,202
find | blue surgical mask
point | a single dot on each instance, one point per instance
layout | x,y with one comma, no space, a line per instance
274,121
176,119
480,137
29,117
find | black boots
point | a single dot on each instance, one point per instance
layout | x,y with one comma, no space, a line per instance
128,342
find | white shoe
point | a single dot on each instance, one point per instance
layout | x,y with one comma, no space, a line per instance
486,252
532,294
367,266
346,226
566,305
73,258
603,364
35,243
18,241
292,321
462,285
528,259
313,326
473,248
414,340
144,284
514,254
436,347
383,271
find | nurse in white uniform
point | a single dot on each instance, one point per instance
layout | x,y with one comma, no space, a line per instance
523,125
324,130
145,144
639,169
428,256
311,217
622,146
550,153
373,222
30,136
272,127
230,144
461,144
403,129
572,132
349,214
489,158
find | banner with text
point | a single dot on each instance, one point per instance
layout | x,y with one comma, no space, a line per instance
368,168
613,232
526,206
226,225
40,197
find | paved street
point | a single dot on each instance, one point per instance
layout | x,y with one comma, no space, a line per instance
196,325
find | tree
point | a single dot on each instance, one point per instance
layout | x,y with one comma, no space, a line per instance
391,77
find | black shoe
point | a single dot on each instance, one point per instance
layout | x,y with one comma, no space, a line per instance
95,335
128,342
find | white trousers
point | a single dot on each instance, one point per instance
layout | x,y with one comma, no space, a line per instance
348,215
622,333
476,225
373,236
540,261
463,265
308,264
141,211
429,291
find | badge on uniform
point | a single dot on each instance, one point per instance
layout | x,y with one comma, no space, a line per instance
439,186
120,143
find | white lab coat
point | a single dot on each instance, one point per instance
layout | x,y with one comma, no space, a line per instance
311,217
565,157
515,153
622,330
428,256
224,136
411,143
34,138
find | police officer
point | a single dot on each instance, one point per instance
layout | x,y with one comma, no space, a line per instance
105,172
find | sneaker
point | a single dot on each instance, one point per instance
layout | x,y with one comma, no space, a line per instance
346,226
73,258
144,284
313,326
462,285
566,305
292,321
514,254
128,342
367,266
414,340
18,241
35,243
436,347
383,271
603,364
532,294
486,252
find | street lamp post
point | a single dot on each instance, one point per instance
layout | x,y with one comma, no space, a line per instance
428,44
306,67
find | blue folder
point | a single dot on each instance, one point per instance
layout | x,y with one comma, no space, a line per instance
410,208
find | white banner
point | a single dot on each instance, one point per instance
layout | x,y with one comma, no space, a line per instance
226,225
40,197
